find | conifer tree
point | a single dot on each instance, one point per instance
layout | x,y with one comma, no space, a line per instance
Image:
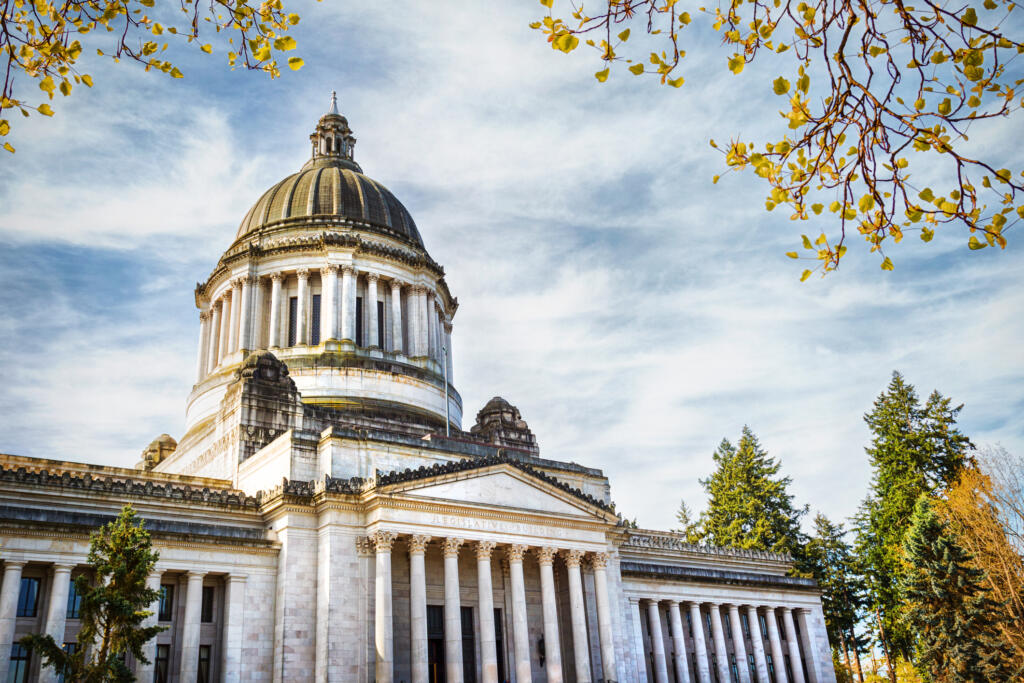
749,505
950,612
914,450
687,525
115,602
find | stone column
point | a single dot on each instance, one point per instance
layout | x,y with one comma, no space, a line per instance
638,640
56,613
213,350
236,312
794,646
418,608
432,349
718,636
657,641
245,340
422,348
348,303
580,647
204,345
488,648
452,612
738,645
758,642
806,637
384,637
190,630
700,644
227,303
234,620
260,338
552,644
778,662
329,303
679,643
372,294
520,631
302,310
9,592
396,317
144,672
448,347
275,310
599,562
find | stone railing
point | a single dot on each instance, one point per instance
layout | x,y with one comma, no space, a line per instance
667,540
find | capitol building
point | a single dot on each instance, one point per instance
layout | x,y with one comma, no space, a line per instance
330,512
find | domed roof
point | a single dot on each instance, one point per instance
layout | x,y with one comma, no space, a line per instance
331,186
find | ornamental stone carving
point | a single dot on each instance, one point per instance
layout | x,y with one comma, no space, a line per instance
364,546
546,555
418,544
515,553
277,277
599,560
302,273
451,546
573,557
383,540
483,549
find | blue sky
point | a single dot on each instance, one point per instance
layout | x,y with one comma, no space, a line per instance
634,312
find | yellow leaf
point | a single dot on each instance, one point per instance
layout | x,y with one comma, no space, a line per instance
176,73
736,63
975,244
295,63
684,18
8,147
887,264
207,48
45,110
675,82
816,208
945,106
714,181
927,235
87,79
919,104
547,3
65,87
624,36
780,86
602,76
792,254
48,86
806,274
867,202
970,17
926,194
285,43
637,69
807,242
5,127
821,239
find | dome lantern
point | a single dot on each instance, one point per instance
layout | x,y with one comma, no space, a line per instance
333,137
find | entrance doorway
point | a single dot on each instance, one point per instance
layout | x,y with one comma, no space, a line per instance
435,643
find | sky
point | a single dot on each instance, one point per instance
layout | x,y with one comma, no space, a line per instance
636,313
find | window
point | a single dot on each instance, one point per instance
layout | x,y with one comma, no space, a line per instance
728,628
314,334
18,671
763,623
499,638
207,611
28,597
789,668
714,668
771,668
74,602
380,324
753,667
746,625
468,647
796,626
689,624
203,675
734,670
707,622
359,321
69,648
166,610
293,320
782,628
162,663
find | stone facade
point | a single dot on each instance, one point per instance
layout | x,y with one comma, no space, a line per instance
325,517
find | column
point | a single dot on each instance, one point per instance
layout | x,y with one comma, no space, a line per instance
384,639
259,338
56,614
422,348
718,637
580,648
373,339
738,644
599,562
213,350
396,316
758,642
778,662
488,648
794,647
452,612
329,303
348,303
700,644
638,640
276,310
448,347
657,642
418,607
679,643
144,672
225,324
190,631
302,312
236,310
552,645
520,632
234,620
9,592
245,314
431,348
808,642
204,344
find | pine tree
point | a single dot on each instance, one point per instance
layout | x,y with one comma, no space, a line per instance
950,611
687,526
115,602
914,450
749,505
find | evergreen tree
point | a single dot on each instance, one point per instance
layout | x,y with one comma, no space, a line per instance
688,527
950,612
749,505
115,602
914,450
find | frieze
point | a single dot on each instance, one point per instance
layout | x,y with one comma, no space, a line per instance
670,541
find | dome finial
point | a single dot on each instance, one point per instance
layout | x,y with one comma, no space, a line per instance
334,103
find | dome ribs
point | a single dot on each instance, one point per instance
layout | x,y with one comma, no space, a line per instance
313,202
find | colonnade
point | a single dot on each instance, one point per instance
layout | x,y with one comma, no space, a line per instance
246,316
56,620
708,666
384,636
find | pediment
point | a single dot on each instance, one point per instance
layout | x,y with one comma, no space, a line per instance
506,488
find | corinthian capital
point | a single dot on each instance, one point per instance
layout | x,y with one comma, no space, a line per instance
572,557
451,546
599,560
546,555
483,549
383,540
418,544
515,553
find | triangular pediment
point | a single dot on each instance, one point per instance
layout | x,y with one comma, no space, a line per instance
499,489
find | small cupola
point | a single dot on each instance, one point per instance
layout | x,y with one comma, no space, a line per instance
333,137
